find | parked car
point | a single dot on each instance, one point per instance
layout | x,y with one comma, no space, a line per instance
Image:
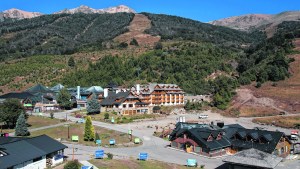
203,116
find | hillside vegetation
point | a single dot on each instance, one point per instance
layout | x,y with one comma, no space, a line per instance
59,34
189,54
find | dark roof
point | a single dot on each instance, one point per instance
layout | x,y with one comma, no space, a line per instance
14,95
112,97
46,144
39,89
200,133
272,138
18,152
24,149
141,103
254,158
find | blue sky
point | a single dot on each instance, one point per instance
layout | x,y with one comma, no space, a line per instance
202,10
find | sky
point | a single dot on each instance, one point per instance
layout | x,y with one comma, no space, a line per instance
201,10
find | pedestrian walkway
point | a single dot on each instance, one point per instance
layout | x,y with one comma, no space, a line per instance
86,163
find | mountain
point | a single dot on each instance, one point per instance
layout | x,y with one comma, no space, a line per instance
68,33
258,21
89,10
19,14
244,22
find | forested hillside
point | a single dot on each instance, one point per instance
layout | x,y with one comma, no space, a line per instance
172,27
59,34
201,58
267,60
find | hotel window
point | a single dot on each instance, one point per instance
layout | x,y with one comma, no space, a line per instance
124,105
130,105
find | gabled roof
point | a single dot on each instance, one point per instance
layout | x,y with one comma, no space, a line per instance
39,89
22,95
94,89
112,97
22,149
57,87
254,158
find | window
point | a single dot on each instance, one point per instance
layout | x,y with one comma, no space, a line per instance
282,150
124,105
130,105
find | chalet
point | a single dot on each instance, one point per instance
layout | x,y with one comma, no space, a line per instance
30,153
159,94
214,140
124,103
203,139
272,142
252,159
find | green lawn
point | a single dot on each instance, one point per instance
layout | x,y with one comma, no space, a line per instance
36,122
122,139
118,119
133,164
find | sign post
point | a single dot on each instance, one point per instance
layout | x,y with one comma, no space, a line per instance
143,156
99,154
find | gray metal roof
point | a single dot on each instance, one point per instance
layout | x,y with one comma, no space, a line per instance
20,150
254,158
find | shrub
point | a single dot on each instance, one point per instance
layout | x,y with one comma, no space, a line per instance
110,156
51,115
258,85
106,116
72,165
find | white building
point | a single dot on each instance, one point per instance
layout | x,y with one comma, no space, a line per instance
30,153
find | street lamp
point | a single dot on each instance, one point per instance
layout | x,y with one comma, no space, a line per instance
68,125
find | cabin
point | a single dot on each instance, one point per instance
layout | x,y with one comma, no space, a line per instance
203,139
125,103
36,152
216,140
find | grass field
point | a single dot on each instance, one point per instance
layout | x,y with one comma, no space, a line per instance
36,122
280,121
133,164
122,139
119,119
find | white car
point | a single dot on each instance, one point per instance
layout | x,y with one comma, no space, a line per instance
203,116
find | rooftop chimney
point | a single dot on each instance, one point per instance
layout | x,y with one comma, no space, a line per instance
138,88
105,92
78,92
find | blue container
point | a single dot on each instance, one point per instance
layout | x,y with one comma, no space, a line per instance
191,162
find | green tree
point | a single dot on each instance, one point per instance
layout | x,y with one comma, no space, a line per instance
106,116
89,131
21,126
93,105
134,42
72,165
158,46
64,99
10,111
71,62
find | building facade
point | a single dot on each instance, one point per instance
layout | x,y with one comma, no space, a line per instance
159,94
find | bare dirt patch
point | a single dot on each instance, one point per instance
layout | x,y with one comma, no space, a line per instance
138,25
280,121
272,97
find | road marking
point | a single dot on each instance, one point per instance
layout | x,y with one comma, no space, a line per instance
146,138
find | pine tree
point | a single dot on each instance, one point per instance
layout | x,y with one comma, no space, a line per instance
93,105
21,127
89,131
71,62
64,99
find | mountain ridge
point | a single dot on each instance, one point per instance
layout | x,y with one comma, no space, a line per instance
264,22
15,13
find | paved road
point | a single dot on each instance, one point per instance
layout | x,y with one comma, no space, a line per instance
154,146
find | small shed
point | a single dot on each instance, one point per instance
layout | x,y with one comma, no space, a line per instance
252,159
